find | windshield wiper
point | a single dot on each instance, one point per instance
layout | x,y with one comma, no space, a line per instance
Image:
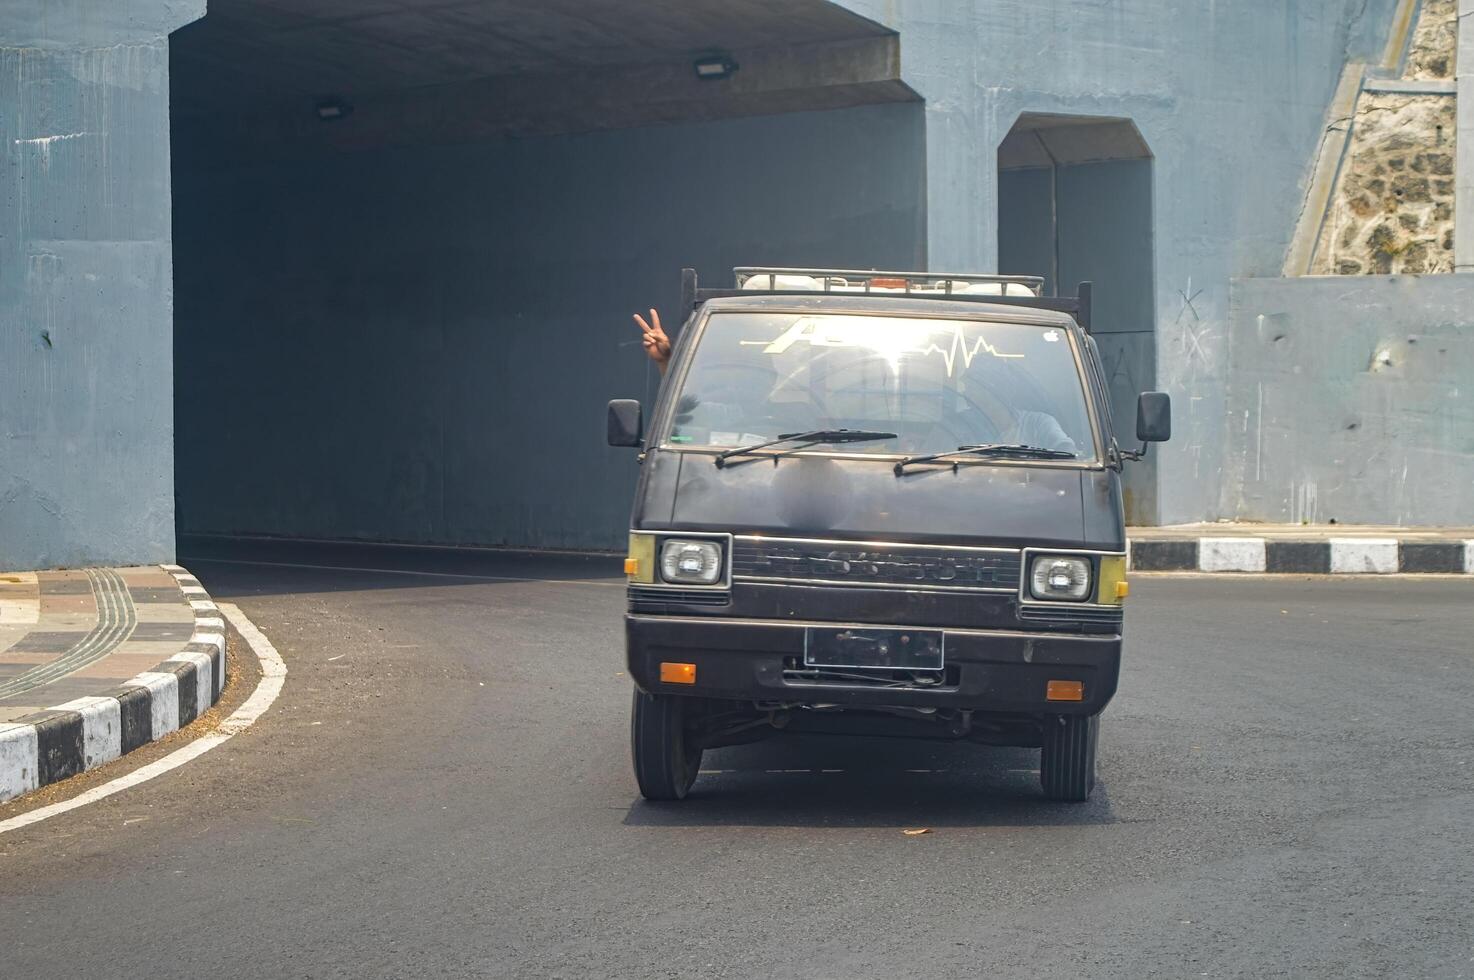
1015,449
814,438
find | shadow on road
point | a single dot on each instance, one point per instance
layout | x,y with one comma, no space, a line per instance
834,782
253,566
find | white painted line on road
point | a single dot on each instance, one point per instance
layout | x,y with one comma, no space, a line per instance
1231,554
273,676
406,571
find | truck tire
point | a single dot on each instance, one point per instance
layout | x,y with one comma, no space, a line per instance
1067,758
665,762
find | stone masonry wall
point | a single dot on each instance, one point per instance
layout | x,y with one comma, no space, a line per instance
1393,207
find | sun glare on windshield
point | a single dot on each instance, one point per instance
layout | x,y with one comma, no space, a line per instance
887,337
937,383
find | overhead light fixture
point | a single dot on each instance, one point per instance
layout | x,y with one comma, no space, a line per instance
331,110
714,66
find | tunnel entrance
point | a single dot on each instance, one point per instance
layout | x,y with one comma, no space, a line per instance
1075,205
408,240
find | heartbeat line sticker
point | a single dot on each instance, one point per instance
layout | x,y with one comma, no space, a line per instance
890,339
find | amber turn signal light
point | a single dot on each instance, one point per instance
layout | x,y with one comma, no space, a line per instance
681,673
632,566
1123,589
1055,690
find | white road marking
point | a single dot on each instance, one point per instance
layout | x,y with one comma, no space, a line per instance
273,676
406,571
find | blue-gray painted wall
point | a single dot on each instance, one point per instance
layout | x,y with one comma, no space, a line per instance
1351,398
417,344
1230,97
335,299
86,436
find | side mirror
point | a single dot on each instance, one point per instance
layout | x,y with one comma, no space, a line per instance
1153,416
626,424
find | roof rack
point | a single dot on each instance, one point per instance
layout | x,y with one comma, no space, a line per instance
1022,291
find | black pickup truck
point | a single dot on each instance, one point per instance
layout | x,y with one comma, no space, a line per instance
882,504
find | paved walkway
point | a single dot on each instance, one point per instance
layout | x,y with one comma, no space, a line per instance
71,634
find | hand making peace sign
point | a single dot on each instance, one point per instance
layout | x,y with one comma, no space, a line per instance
657,344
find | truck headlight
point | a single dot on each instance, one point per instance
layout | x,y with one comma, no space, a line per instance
1060,577
687,562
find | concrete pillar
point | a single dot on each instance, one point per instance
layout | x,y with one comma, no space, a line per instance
86,332
1464,145
962,187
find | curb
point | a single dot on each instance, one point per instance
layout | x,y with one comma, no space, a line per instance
61,741
1325,556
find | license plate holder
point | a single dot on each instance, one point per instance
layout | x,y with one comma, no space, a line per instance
860,647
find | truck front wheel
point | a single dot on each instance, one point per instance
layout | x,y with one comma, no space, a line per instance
1067,759
665,761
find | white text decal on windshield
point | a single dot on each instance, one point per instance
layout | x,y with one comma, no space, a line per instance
889,338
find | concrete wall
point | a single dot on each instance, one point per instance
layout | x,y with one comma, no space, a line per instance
1351,399
86,440
418,343
1229,96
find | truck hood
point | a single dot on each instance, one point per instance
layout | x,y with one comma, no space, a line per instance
851,499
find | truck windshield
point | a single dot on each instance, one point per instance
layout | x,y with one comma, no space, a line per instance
936,383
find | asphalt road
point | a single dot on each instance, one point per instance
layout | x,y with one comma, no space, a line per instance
443,790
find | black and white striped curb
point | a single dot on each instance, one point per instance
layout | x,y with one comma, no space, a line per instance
69,738
1327,556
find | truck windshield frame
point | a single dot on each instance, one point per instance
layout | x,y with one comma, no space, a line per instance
913,344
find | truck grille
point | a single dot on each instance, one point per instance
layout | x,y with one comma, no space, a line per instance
1065,613
858,563
639,594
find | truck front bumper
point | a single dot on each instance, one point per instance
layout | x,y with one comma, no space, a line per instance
996,672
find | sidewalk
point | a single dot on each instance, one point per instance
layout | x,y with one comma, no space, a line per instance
96,662
1320,549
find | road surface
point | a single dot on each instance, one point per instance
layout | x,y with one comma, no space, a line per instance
443,790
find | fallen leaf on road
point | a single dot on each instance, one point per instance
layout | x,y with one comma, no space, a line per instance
917,832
